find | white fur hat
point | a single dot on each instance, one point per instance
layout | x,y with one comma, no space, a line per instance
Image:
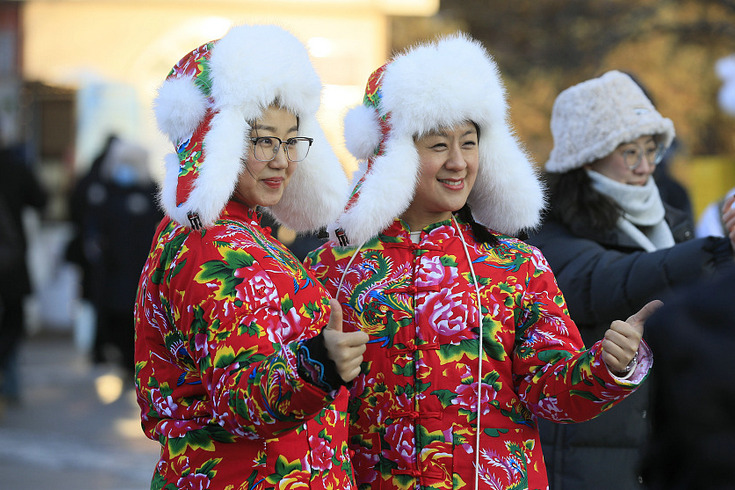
205,105
589,120
434,85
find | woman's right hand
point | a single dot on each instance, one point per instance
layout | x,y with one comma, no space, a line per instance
344,348
728,219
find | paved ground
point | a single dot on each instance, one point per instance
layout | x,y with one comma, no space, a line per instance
63,435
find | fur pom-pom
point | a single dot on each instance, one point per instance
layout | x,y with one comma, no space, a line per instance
179,107
362,131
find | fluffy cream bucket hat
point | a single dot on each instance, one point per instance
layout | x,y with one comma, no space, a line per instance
589,120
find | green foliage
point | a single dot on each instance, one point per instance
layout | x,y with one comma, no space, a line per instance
170,250
223,271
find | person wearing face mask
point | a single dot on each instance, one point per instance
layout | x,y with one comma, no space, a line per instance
116,215
613,246
470,343
240,355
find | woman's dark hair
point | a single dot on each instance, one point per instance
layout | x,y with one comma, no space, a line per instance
574,202
481,233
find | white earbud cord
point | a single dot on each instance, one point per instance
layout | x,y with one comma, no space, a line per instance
479,355
344,273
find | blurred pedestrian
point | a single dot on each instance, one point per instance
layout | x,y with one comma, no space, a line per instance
117,216
693,438
470,342
19,190
11,249
240,357
85,195
614,246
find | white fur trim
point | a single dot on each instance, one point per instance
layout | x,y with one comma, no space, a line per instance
506,198
179,107
168,189
224,145
362,131
442,84
386,192
253,65
318,188
437,85
243,84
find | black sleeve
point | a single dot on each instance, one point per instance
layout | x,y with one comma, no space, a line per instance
601,284
316,367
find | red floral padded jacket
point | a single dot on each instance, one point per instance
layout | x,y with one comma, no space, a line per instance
413,410
220,316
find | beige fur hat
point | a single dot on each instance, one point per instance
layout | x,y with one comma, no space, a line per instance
589,120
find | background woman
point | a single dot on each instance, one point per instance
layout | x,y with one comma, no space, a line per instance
469,337
233,337
613,246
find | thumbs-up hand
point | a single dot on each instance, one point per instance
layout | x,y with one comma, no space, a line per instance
344,348
621,341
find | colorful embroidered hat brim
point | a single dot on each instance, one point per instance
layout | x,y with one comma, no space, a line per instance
434,85
205,105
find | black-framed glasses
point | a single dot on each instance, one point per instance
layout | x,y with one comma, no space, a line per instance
633,155
265,148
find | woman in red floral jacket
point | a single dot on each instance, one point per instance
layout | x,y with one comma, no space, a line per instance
470,339
234,339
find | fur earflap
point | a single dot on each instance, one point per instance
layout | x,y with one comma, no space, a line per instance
506,198
383,192
430,86
167,194
320,174
206,106
179,107
362,131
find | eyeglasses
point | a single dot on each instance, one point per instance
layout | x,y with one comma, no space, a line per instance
633,155
265,148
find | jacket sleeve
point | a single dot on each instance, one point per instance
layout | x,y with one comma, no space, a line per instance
602,284
555,376
229,313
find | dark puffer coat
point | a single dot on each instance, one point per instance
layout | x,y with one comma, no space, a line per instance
606,277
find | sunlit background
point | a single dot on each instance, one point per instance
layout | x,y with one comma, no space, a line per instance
88,69
73,72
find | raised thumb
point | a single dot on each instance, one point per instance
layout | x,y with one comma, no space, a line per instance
639,318
335,318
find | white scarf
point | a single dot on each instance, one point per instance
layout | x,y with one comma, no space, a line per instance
643,211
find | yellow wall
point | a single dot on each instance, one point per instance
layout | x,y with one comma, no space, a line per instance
707,179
